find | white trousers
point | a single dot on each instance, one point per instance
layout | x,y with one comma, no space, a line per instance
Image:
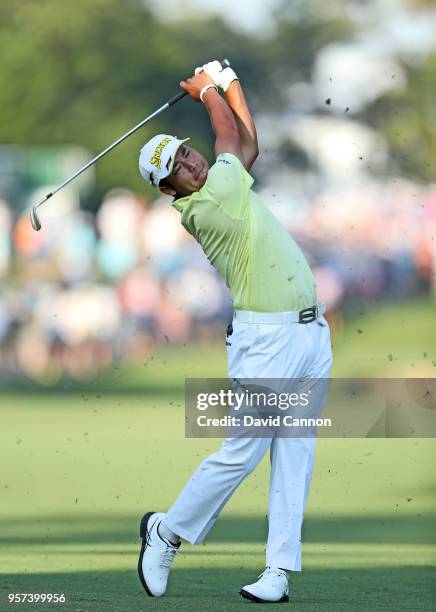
261,351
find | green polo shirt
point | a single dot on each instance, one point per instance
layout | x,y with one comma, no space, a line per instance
259,261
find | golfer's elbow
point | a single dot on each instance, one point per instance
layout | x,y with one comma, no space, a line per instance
255,151
251,154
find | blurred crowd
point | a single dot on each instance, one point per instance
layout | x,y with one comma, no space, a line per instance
88,290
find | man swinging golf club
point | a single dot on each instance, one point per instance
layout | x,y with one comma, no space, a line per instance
277,332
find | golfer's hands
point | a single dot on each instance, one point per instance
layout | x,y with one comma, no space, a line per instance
195,84
221,77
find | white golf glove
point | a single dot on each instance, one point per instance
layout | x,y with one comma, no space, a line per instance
214,70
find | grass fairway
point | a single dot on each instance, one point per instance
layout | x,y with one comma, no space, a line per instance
80,464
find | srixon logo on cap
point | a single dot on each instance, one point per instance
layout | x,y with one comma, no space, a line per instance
155,160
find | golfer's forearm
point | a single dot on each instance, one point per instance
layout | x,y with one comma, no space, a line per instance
238,103
223,122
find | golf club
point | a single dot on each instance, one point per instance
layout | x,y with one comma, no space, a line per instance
36,223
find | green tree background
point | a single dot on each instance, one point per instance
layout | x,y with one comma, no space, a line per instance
85,72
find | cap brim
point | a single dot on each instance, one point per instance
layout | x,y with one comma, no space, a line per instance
173,157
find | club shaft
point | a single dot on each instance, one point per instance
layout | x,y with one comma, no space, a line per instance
109,148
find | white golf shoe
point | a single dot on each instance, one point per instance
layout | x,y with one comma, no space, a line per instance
156,555
272,587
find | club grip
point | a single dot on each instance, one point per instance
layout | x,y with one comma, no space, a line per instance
224,63
177,97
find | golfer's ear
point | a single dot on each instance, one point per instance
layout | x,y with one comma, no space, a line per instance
168,191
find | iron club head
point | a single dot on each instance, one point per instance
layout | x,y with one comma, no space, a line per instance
34,219
36,224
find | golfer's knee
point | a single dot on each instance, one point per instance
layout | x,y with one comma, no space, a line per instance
242,465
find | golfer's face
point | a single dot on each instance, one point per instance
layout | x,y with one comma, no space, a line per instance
189,171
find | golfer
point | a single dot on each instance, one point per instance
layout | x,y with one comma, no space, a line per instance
277,331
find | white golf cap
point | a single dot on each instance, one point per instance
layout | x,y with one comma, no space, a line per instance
156,159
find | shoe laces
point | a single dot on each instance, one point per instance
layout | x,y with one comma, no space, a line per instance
167,556
272,570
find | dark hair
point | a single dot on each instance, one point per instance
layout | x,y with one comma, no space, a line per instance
165,183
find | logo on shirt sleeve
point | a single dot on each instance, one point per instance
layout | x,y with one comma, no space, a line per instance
224,161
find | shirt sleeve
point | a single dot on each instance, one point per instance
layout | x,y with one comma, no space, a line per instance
229,184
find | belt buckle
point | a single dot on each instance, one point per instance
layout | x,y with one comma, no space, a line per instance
307,315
